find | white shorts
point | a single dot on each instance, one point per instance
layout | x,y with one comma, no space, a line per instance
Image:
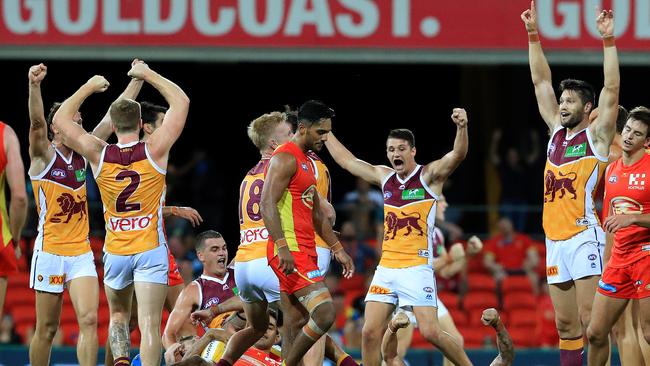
404,287
575,258
256,281
324,259
150,266
50,272
442,312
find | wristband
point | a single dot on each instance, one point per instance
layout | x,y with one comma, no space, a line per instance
533,37
336,247
608,41
174,210
391,329
281,240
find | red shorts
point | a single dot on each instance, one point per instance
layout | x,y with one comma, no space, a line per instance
8,263
306,272
175,277
631,282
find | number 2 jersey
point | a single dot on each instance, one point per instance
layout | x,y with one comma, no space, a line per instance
132,188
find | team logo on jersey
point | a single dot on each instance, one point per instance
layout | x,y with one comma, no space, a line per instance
413,194
613,179
58,173
211,302
408,221
554,184
69,207
308,196
575,151
388,194
636,181
625,206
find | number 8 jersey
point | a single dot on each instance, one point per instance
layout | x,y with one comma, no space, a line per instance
253,234
132,187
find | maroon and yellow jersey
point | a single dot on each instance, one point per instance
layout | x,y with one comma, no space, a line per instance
253,236
409,218
573,170
5,232
625,194
323,186
296,205
60,194
132,187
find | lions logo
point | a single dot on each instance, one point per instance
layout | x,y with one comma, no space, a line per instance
70,207
409,221
553,184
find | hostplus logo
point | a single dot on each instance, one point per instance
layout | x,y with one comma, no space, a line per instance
636,181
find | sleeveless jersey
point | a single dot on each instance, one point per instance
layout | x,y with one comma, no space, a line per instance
253,235
132,187
409,217
214,291
323,186
625,194
60,196
296,205
573,170
5,232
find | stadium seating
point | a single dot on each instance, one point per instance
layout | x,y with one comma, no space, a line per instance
516,283
481,282
448,298
480,300
523,318
519,300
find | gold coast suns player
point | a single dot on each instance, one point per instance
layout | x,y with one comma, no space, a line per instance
404,276
131,180
576,159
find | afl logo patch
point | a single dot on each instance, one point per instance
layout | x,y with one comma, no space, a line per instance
304,166
428,289
592,257
212,301
612,179
388,194
58,173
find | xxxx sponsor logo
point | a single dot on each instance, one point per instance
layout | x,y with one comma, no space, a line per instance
57,280
378,290
552,271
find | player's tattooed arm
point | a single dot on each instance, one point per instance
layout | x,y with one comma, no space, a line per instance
437,172
119,340
504,342
39,144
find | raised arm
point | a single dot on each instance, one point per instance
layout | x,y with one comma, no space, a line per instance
371,173
540,71
281,168
604,127
40,151
73,135
164,137
16,181
437,172
186,301
103,130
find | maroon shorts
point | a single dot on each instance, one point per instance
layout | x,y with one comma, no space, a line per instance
175,277
630,282
306,272
8,263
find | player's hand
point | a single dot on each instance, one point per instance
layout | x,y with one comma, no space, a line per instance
457,252
490,317
287,264
37,73
174,353
202,316
138,69
189,214
529,16
459,116
346,261
18,252
615,222
474,245
605,23
98,83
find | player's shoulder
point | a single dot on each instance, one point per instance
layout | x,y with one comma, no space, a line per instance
258,168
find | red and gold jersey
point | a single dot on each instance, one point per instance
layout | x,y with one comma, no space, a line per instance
296,205
256,357
573,170
5,232
132,187
323,186
409,218
253,236
60,196
625,194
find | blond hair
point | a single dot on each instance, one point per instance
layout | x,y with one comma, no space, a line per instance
125,114
261,129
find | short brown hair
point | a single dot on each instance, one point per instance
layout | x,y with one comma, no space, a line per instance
262,127
125,114
641,114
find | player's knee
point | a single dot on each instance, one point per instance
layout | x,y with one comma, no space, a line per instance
47,329
432,335
461,340
597,337
88,320
585,316
371,335
325,315
646,332
563,324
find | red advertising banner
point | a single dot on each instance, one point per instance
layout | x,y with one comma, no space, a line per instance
322,24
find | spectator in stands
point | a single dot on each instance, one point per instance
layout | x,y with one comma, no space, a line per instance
365,257
511,253
8,333
364,207
354,323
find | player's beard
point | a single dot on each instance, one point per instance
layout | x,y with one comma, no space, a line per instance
574,120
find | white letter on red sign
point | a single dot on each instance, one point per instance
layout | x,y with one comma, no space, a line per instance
401,18
272,19
201,18
570,12
37,22
153,22
319,16
621,14
369,19
114,24
62,16
642,20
